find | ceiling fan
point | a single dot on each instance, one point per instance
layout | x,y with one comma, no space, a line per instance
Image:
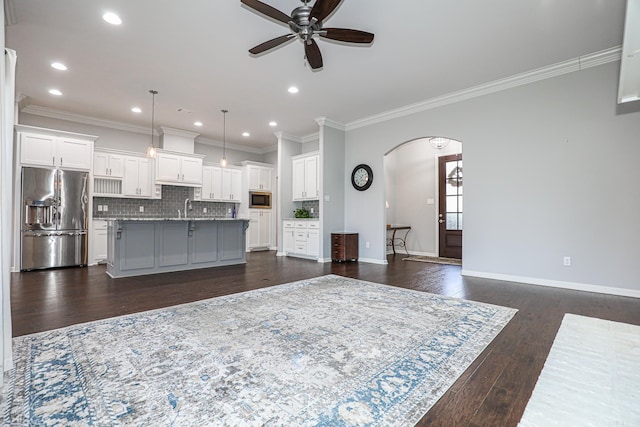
306,22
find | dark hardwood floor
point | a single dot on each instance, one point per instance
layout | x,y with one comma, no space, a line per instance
492,392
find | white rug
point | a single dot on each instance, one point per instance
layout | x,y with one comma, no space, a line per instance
329,351
591,377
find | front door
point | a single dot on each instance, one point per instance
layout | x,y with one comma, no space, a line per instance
450,209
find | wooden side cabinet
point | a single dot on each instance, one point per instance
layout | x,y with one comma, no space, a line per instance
344,246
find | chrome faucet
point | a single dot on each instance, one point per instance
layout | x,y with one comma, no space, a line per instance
187,206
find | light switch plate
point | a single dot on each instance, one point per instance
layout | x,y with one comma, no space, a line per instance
105,208
431,201
204,210
141,208
99,208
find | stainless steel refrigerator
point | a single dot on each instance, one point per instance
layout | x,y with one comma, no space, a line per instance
54,218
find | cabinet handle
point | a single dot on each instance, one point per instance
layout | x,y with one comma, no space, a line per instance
178,178
60,161
53,160
183,177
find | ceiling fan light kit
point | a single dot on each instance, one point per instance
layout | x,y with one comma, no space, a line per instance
306,22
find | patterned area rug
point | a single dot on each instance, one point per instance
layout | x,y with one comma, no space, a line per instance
329,351
435,260
591,377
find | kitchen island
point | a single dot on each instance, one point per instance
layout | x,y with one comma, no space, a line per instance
139,246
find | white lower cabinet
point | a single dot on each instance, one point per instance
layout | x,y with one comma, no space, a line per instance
302,238
98,239
259,232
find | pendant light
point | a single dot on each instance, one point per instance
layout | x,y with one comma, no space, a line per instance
223,160
151,149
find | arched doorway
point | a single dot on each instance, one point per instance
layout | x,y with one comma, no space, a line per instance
413,195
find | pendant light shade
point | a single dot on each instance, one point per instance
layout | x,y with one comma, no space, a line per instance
151,149
439,142
223,160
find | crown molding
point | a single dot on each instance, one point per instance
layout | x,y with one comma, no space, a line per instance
36,110
219,144
323,121
282,135
178,132
314,137
580,63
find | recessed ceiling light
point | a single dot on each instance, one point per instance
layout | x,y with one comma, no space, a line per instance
59,66
293,89
112,18
273,124
197,124
55,92
136,110
246,134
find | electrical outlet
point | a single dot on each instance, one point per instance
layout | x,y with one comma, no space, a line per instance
229,210
141,208
99,208
566,261
311,211
105,208
204,210
367,244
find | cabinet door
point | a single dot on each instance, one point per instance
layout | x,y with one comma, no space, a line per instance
168,168
116,165
37,150
254,177
99,240
74,154
265,179
144,177
265,228
216,184
230,240
254,229
207,183
298,179
130,178
289,240
311,177
313,243
100,164
236,184
226,184
191,170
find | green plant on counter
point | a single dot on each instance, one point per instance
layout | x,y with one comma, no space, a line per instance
301,213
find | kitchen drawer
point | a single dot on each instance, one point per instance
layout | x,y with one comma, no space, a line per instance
301,235
301,224
313,224
301,247
289,224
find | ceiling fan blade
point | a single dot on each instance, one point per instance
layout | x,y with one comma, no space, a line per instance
347,35
265,9
312,51
323,8
270,44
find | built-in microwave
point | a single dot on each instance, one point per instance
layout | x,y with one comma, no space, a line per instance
260,199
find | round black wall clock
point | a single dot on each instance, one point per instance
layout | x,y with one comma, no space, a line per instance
362,177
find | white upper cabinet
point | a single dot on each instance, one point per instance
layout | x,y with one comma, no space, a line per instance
259,178
176,169
306,177
211,183
231,185
108,165
137,177
45,147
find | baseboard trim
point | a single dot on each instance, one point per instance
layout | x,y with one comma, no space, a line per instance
373,261
324,260
281,254
575,286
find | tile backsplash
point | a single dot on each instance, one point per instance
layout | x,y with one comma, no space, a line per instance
173,198
312,204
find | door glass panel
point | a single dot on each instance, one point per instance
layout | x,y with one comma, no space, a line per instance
452,221
453,179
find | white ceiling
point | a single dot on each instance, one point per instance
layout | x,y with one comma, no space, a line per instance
194,52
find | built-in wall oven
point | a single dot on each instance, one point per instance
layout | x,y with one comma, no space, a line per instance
260,199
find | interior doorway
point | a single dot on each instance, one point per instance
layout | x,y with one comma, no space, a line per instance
450,207
412,193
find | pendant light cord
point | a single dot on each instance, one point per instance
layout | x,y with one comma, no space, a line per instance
153,113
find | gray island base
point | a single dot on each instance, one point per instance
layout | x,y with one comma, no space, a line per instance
150,245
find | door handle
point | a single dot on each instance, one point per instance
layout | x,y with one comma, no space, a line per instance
441,221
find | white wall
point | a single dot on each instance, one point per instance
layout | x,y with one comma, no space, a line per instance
284,204
410,172
550,171
332,169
